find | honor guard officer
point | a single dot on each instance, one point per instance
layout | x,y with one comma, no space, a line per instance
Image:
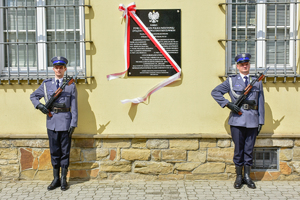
63,122
244,128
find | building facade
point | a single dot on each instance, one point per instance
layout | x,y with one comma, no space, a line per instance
180,132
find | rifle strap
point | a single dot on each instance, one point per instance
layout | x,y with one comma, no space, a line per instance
231,88
45,91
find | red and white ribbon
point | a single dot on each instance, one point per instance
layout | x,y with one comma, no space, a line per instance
130,12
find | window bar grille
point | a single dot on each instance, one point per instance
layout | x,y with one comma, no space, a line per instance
27,54
246,27
236,32
55,36
255,41
75,49
265,50
285,37
65,31
81,9
7,46
17,39
275,43
263,157
37,51
295,40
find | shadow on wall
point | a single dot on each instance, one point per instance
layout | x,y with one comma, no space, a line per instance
133,108
270,123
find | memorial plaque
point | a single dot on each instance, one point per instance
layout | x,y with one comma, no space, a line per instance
145,58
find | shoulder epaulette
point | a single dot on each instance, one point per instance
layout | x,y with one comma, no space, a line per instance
46,80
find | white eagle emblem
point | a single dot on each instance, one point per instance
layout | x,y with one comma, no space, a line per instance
153,16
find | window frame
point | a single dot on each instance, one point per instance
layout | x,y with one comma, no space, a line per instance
42,70
259,64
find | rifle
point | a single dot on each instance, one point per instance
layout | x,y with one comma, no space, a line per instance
246,91
57,93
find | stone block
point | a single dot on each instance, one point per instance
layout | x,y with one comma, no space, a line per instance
10,171
84,143
46,175
115,166
26,159
89,154
13,162
38,143
206,177
116,143
4,143
27,174
296,154
157,144
84,165
285,154
3,162
184,144
8,153
263,143
35,163
135,154
78,174
149,167
36,152
197,156
166,177
75,154
209,168
283,143
224,143
289,178
45,160
284,168
98,143
156,155
138,143
296,166
102,175
208,143
93,173
230,169
173,154
220,155
186,166
297,143
113,154
102,153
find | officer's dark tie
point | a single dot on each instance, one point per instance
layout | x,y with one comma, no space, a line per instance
246,80
57,84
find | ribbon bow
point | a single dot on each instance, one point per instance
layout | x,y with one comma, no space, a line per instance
130,8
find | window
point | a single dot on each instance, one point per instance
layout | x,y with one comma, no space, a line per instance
34,31
265,159
267,29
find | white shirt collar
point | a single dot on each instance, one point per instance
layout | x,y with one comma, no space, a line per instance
60,80
242,75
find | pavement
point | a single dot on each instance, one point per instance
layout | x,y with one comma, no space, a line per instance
173,190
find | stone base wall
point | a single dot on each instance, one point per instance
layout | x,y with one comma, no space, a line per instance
147,159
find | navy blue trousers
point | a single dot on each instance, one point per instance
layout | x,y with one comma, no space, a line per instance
244,140
60,145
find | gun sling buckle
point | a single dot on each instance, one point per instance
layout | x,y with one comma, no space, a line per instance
57,110
249,107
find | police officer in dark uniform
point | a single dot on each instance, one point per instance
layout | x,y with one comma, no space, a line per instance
63,122
244,128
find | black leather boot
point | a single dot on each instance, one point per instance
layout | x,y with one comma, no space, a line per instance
64,184
247,178
56,181
238,184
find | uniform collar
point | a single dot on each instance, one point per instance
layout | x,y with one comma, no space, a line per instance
242,75
60,80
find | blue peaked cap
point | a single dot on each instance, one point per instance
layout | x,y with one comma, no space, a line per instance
59,60
243,57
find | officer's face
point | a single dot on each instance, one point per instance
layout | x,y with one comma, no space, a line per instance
244,68
59,71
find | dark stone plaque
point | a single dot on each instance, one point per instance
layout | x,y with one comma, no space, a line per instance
145,58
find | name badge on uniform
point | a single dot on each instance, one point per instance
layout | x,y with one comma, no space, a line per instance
50,90
238,85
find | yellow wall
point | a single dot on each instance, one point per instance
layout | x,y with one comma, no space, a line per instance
183,107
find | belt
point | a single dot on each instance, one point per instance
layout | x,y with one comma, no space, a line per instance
57,110
249,107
